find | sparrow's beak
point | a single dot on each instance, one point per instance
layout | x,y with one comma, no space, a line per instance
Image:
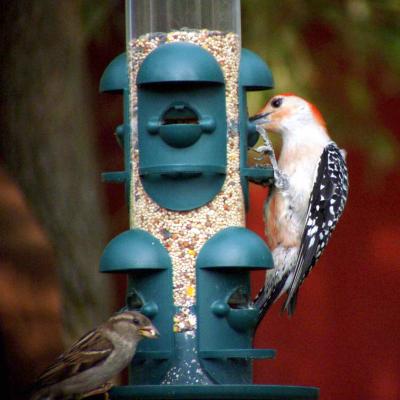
261,118
149,331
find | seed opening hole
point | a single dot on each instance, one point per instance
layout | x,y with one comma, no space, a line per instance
180,115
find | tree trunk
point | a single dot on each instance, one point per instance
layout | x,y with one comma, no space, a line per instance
48,146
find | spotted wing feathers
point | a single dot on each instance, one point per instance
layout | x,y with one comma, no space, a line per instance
327,201
90,350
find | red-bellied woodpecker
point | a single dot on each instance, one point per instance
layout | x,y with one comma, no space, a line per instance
308,197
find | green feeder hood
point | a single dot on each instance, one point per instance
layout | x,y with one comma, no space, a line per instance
132,250
241,248
115,76
254,72
179,62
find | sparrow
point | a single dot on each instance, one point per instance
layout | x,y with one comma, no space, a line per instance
85,369
307,199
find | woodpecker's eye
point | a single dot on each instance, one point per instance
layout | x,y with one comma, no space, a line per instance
276,103
136,321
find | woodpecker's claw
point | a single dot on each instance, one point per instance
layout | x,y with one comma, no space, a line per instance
265,149
262,133
281,180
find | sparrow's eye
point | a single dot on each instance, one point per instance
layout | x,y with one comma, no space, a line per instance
136,321
276,103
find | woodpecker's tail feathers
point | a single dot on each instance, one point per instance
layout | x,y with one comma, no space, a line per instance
290,304
268,295
262,303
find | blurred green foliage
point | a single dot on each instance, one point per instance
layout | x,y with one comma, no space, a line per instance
343,56
101,17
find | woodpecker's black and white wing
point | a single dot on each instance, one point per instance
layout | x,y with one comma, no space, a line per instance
327,201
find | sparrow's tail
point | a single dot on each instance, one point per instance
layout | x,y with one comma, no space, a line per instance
37,396
36,393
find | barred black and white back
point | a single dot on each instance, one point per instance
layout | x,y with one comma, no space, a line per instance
327,200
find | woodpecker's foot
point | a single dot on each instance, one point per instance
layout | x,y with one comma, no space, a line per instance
266,148
103,389
261,131
281,180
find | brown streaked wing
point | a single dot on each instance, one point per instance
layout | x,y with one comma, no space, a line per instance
90,350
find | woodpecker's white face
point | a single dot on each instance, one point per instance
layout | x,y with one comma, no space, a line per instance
286,113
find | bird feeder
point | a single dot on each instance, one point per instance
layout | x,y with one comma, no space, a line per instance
187,254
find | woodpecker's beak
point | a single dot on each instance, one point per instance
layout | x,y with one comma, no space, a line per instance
149,331
261,118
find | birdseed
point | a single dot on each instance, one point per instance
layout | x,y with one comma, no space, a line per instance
184,233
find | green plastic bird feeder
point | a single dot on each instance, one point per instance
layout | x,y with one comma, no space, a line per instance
188,254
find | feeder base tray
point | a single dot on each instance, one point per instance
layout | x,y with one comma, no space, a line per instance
215,392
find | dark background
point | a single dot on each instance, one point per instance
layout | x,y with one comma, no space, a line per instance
55,217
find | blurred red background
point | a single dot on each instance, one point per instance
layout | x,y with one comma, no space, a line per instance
344,336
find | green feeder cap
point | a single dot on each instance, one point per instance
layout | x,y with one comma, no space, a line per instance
240,247
254,72
115,76
179,63
132,250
